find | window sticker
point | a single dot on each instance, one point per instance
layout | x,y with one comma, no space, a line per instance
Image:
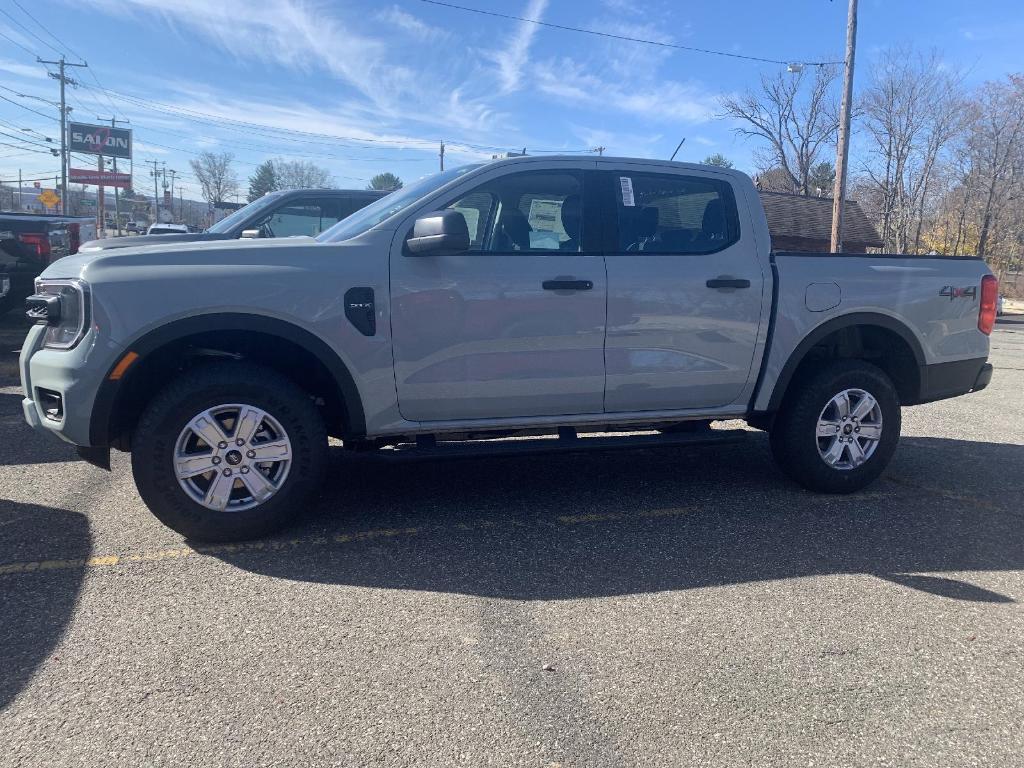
627,191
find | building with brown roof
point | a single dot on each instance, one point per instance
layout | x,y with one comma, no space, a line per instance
799,223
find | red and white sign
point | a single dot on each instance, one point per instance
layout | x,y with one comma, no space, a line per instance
99,178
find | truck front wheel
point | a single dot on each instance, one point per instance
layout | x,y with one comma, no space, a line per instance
838,428
229,451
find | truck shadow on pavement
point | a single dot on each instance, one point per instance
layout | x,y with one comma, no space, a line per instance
617,523
35,607
19,444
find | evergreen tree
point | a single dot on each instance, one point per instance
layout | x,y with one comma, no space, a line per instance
718,159
385,181
263,180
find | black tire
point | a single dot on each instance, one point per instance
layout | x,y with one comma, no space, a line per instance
793,436
156,434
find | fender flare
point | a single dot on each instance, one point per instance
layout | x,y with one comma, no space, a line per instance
863,319
147,343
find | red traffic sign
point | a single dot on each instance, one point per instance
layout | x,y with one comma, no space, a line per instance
99,178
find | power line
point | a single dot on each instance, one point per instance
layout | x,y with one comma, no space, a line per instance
278,133
566,28
66,47
46,29
12,40
34,112
33,34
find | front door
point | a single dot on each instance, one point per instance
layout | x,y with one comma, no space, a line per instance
515,326
684,292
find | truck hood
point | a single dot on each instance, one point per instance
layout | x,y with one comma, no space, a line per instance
132,242
164,251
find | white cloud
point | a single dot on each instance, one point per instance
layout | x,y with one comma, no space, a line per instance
150,149
411,25
669,100
618,143
36,72
513,58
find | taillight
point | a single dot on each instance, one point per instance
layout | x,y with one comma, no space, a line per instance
74,238
989,298
40,243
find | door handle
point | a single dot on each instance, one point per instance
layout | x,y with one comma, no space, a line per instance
567,285
724,281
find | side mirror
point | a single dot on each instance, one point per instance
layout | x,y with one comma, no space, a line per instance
441,233
248,234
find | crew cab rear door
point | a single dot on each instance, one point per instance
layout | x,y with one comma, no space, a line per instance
515,326
684,290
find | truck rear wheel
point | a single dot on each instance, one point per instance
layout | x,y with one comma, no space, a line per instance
229,451
838,428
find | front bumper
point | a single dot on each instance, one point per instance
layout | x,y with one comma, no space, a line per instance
73,375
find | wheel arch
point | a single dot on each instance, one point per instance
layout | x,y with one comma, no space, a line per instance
189,338
866,330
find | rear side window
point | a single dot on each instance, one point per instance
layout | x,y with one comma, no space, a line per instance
674,214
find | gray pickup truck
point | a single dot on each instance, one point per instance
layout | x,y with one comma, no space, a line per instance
523,297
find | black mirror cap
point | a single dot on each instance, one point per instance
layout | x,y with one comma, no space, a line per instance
441,233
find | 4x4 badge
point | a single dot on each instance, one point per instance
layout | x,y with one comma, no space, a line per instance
971,292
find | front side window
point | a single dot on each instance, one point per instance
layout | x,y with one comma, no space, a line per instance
303,217
530,212
229,222
674,214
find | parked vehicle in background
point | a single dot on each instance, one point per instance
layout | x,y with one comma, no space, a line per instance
278,214
545,295
29,243
135,227
166,229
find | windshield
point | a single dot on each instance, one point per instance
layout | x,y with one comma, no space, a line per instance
387,206
228,223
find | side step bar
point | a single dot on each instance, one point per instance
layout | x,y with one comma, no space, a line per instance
568,441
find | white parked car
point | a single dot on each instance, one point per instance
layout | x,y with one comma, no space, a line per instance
167,229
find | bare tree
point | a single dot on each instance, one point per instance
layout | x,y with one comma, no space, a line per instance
795,115
215,175
912,112
300,174
995,148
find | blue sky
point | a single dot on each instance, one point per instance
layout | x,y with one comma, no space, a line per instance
388,80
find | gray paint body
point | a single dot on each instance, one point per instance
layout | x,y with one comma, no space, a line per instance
474,342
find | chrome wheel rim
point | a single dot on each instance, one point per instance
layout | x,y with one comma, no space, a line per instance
849,429
232,457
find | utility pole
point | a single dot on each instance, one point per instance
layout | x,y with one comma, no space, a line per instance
173,174
843,149
64,79
117,197
21,200
442,155
156,192
599,150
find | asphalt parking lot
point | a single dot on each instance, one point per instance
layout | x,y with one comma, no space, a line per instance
657,607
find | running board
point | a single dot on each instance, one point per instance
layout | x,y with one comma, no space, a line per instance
567,442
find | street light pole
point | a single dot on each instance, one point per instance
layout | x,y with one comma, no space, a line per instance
843,148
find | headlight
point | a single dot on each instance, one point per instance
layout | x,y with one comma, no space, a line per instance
63,306
5,285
